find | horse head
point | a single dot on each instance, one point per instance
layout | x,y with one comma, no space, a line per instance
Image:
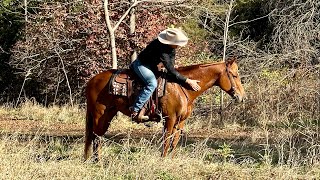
230,82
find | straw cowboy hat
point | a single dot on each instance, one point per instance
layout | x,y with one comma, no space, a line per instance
173,36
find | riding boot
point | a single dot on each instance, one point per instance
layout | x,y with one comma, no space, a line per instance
138,117
142,116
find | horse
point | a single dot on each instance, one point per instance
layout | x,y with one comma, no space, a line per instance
176,104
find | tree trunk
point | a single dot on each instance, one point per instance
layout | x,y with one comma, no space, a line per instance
113,50
113,29
132,31
112,36
225,39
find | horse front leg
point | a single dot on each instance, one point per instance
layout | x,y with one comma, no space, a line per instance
178,128
167,134
176,136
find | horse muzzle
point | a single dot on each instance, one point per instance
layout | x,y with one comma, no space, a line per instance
238,98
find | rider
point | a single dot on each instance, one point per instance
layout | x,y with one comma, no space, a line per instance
160,50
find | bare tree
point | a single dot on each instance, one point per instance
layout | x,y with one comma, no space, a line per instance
112,29
225,39
132,31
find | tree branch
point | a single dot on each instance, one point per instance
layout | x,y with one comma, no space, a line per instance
65,73
226,29
248,21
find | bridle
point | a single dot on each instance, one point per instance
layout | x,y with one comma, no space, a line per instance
232,91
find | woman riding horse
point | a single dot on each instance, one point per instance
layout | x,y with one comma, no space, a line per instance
176,104
160,50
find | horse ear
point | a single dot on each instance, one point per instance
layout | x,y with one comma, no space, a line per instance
230,61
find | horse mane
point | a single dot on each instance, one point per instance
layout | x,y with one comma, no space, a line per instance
196,66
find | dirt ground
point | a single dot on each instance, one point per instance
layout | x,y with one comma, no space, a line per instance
33,127
59,129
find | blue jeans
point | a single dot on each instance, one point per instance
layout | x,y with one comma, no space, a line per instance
150,81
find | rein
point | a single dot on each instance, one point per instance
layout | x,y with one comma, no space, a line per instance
232,90
233,87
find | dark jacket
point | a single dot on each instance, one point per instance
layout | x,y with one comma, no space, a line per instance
155,53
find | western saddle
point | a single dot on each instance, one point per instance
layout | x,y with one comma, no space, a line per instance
124,82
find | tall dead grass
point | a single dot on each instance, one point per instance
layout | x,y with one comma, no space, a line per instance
130,159
281,149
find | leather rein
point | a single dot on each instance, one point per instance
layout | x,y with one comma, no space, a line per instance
232,91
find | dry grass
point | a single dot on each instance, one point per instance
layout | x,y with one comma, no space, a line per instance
56,159
31,110
264,153
48,116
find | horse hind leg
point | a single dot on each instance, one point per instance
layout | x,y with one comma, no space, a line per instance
96,125
89,136
90,139
100,129
96,149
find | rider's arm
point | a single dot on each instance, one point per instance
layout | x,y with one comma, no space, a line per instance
167,61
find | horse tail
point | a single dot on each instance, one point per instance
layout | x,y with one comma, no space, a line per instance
89,134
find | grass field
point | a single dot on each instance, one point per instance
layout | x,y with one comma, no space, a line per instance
55,159
43,148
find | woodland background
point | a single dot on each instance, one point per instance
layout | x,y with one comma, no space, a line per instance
49,49
52,41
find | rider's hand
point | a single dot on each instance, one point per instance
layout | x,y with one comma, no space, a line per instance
194,84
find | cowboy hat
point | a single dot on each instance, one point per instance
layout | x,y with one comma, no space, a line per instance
173,36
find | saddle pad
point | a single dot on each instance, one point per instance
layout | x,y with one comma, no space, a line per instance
119,89
122,83
118,84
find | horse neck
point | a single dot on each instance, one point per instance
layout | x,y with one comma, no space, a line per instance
207,74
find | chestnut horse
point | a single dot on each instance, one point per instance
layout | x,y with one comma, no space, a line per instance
176,104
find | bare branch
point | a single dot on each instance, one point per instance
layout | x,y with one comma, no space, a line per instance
226,29
67,79
252,20
125,14
22,87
